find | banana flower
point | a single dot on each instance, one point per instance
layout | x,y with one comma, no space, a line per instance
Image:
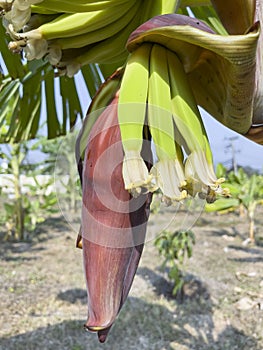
113,224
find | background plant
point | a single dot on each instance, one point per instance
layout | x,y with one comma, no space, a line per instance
27,204
60,160
174,247
246,194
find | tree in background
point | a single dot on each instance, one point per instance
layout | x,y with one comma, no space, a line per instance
174,247
26,203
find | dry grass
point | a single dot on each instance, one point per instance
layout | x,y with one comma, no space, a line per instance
43,299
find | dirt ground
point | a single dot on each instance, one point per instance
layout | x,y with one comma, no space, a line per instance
43,297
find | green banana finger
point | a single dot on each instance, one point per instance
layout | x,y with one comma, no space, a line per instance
131,116
64,6
66,25
168,171
96,35
199,171
106,51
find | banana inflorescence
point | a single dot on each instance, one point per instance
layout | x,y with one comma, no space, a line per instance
155,91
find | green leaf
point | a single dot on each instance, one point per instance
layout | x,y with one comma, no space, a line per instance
8,89
92,77
220,170
208,15
222,204
9,101
29,112
108,69
70,102
9,208
13,62
53,125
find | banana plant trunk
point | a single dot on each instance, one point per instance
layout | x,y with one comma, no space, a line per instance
18,205
251,215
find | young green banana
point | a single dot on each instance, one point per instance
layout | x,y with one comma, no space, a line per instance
106,51
200,176
158,7
66,6
131,116
100,34
36,20
68,25
168,172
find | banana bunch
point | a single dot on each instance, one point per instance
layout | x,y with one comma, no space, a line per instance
71,34
163,101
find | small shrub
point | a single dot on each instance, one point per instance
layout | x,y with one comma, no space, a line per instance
174,246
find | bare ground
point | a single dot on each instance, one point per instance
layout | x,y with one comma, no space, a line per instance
43,298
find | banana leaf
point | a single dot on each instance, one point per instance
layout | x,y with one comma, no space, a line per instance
223,205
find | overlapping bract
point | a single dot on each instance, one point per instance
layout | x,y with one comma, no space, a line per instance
113,224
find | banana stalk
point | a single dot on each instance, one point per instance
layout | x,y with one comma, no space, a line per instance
249,12
113,223
191,3
236,24
158,7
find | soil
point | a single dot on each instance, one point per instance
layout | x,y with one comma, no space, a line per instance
43,296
